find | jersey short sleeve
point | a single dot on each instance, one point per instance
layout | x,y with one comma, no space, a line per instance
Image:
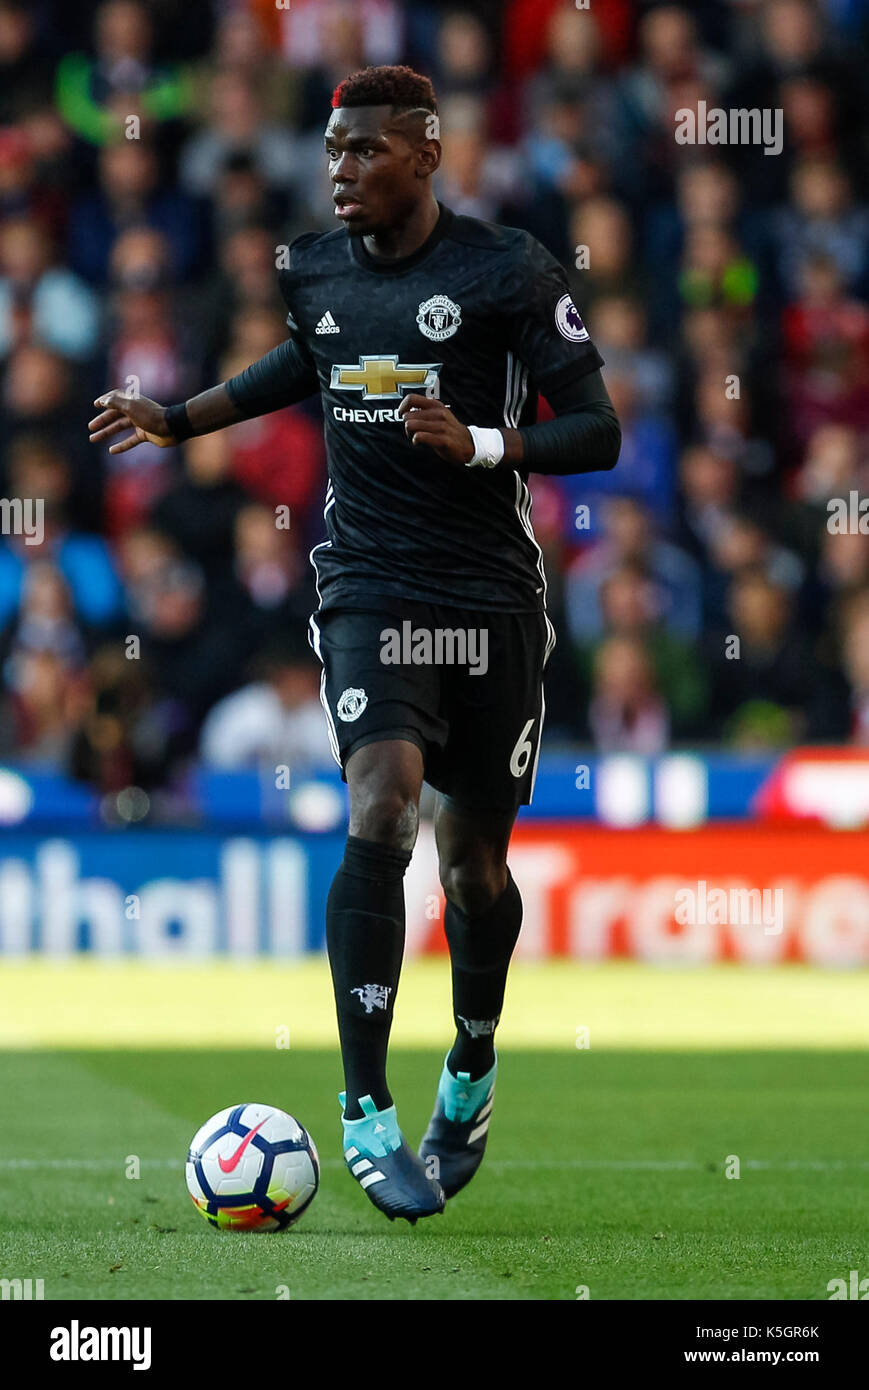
544,326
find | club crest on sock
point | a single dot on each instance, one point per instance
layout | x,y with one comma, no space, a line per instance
373,996
479,1027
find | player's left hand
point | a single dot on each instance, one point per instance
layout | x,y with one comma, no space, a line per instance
429,421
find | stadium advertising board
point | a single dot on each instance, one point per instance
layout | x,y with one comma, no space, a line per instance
757,894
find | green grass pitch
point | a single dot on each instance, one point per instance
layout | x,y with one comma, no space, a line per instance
606,1167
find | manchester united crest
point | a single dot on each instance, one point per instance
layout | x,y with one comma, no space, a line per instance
439,318
351,704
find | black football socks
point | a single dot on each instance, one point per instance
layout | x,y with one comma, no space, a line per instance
480,951
365,941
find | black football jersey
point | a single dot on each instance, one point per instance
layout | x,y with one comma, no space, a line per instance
479,316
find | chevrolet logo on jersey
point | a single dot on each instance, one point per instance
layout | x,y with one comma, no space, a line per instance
384,378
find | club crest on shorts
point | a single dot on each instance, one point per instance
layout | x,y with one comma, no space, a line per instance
373,996
568,322
351,704
439,318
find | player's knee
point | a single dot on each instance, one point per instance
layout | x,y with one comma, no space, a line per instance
388,816
473,885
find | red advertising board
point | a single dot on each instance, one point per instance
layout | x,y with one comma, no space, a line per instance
752,893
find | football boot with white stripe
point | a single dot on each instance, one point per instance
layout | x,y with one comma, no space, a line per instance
459,1127
385,1166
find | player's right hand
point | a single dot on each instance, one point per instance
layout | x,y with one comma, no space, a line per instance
146,418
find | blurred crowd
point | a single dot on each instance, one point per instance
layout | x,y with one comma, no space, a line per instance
154,156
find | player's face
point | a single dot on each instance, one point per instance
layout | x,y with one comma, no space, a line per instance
374,168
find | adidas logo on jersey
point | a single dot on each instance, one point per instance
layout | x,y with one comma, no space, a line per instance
327,324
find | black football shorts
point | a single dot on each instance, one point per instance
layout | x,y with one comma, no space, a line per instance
465,686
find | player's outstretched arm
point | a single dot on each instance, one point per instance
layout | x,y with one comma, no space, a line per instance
284,376
159,424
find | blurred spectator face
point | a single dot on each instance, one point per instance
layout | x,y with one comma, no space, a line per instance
627,602
296,683
140,273
602,225
620,322
143,553
738,545
127,170
820,189
462,111
628,526
142,315
341,37
463,48
717,411
46,136
37,382
464,156
255,331
257,538
140,259
41,682
820,283
170,601
623,395
680,93
45,595
240,41
572,41
708,478
247,257
241,191
16,164
37,469
759,610
791,32
710,335
231,364
16,32
111,673
207,458
265,559
856,651
623,674
707,193
831,464
668,43
563,119
24,251
709,249
809,110
123,30
845,559
235,108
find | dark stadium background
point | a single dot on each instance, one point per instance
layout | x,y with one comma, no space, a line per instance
155,676
170,818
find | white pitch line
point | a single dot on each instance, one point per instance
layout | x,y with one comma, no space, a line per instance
626,1165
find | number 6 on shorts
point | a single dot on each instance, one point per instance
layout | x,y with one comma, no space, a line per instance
521,755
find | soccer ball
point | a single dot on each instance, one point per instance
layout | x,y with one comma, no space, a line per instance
252,1168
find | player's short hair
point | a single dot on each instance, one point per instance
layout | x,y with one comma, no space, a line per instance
398,87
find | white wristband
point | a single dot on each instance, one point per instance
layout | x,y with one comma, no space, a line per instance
488,447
